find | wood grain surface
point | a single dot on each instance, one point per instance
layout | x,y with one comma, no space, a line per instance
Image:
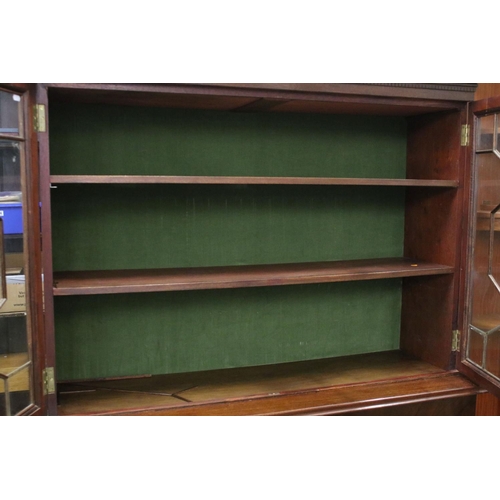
170,179
327,386
156,280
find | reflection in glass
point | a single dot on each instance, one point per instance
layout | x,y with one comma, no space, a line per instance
483,345
475,347
15,342
497,135
10,168
485,130
10,112
3,271
15,390
494,248
492,357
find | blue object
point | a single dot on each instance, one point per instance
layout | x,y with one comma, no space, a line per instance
12,215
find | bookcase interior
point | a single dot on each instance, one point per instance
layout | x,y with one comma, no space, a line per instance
218,193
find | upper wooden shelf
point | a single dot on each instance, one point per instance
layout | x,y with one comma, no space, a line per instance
180,179
160,280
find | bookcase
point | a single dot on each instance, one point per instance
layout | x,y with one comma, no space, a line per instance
220,249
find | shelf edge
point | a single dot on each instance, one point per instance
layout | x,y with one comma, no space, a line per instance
242,180
279,277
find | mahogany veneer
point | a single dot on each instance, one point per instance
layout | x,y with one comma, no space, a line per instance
161,280
309,98
433,294
170,179
328,386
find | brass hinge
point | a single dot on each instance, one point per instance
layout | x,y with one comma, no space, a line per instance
49,381
465,135
455,343
39,120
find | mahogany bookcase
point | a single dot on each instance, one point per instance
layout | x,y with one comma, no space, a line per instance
270,249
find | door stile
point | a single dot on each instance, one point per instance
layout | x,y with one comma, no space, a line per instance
462,237
35,269
44,183
465,239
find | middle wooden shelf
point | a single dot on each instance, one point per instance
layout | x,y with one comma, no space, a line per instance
203,278
256,180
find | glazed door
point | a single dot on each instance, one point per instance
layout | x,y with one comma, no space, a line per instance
21,389
481,349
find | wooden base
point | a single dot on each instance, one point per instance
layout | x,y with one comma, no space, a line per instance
487,405
322,387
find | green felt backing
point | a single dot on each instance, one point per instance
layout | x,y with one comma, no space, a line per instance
103,139
120,227
144,226
154,333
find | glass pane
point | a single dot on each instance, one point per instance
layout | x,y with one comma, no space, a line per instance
485,127
497,135
476,344
492,357
496,144
15,343
10,112
16,396
4,402
15,389
483,347
10,169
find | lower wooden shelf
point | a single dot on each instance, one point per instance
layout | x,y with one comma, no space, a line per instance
321,387
158,280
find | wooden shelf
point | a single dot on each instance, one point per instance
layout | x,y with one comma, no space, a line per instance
161,280
172,179
327,386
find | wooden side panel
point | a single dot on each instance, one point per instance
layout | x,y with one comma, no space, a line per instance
426,319
485,90
434,146
433,227
487,405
